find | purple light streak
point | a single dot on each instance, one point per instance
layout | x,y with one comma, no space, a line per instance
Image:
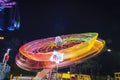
6,3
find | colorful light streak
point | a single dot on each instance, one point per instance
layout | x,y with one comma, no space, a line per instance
12,21
6,3
76,48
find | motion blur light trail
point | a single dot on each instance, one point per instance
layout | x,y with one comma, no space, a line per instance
6,4
9,15
35,55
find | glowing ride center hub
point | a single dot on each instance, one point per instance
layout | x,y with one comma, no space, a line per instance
75,48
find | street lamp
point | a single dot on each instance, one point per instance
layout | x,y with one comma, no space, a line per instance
109,50
1,38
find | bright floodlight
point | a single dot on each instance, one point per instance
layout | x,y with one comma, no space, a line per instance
56,57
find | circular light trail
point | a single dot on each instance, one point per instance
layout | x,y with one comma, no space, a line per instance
76,48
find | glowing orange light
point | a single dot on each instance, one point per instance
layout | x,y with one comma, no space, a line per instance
36,54
2,38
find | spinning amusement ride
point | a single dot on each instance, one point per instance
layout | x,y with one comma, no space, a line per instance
60,51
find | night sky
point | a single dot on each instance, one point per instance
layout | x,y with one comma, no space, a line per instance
50,18
41,19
